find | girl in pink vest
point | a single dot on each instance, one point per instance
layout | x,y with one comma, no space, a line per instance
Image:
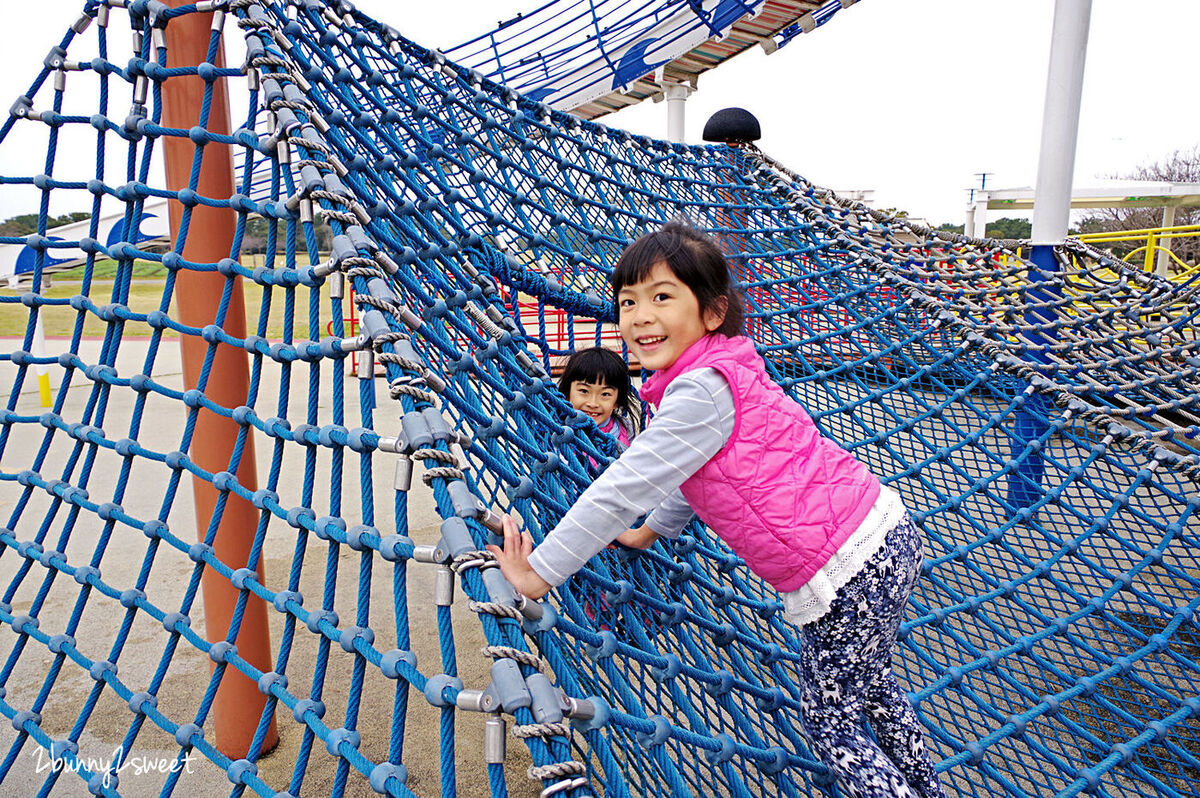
596,382
727,444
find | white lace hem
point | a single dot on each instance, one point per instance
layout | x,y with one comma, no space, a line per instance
813,599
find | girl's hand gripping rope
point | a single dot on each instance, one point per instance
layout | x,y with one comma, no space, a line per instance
514,561
642,537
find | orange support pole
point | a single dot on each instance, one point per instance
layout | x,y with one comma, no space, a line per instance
239,704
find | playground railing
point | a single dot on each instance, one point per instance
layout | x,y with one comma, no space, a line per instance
1152,246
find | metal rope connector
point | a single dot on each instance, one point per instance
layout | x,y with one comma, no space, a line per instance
468,505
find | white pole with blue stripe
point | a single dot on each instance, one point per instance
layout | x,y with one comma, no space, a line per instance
1051,217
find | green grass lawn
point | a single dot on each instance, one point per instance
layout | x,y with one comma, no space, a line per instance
145,295
107,270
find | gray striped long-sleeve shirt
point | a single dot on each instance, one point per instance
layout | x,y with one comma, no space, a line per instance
693,423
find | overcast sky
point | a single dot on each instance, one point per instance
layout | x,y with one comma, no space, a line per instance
910,98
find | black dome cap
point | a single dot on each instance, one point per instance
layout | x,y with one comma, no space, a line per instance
732,126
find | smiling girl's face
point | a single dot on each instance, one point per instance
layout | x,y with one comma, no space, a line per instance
660,318
595,399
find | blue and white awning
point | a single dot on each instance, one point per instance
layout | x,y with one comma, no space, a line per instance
592,57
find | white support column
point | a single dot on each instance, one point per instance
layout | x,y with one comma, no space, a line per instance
1060,121
981,217
976,222
1163,264
676,95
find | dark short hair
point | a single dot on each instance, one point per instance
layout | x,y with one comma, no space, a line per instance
604,366
696,262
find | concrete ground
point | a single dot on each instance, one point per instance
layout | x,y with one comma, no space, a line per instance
27,669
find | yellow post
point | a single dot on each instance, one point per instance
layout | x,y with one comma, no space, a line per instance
41,369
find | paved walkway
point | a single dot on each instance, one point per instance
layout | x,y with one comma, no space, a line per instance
187,675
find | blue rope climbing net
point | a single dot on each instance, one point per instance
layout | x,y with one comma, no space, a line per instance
1041,424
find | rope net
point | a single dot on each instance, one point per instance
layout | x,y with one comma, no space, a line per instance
1041,424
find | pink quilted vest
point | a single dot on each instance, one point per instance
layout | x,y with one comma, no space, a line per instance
780,495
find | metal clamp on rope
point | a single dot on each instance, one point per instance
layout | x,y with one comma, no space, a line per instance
499,590
331,17
534,615
507,692
342,249
544,698
335,186
415,428
385,262
538,616
503,320
437,425
443,586
286,121
455,537
468,505
310,180
333,180
272,93
586,714
57,59
256,53
549,706
155,13
532,367
135,119
293,94
281,130
158,35
361,241
402,446
494,739
141,90
22,108
442,433
456,541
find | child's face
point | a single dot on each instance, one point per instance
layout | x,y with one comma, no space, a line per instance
594,398
660,318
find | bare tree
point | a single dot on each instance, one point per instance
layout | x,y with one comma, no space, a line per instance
1181,166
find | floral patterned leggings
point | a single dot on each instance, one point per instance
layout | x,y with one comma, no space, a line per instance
846,677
